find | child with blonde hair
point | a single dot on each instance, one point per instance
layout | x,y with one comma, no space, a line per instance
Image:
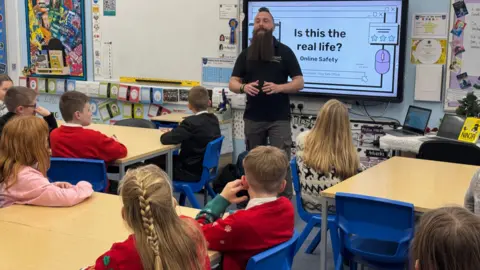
161,239
325,154
24,162
447,239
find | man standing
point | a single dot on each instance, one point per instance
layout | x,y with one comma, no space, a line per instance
261,71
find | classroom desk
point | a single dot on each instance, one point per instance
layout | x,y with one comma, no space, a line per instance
95,222
425,184
141,143
171,117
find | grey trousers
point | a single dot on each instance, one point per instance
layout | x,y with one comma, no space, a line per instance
279,134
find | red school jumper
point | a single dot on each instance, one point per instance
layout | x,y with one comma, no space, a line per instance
247,233
79,142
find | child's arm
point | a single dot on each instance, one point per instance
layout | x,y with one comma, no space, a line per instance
115,257
48,117
110,148
472,189
178,135
223,234
33,188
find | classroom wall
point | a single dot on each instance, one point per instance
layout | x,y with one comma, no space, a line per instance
16,24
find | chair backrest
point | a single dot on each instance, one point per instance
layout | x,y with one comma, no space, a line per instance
450,151
140,123
278,258
210,160
74,170
385,227
304,215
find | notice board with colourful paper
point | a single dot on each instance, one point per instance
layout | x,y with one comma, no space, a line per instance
463,73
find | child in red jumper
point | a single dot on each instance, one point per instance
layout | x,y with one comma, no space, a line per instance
71,140
267,221
161,239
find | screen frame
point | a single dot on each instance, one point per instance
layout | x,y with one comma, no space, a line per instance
415,129
401,64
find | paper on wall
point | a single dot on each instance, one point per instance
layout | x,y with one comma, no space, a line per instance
428,82
431,25
471,40
429,51
216,72
228,11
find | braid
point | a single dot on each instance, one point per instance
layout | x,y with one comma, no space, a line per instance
148,225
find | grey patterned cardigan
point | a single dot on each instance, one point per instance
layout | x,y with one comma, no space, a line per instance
472,198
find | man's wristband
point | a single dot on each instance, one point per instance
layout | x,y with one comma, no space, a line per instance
242,89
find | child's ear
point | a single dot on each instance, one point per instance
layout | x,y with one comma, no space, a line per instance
209,103
282,186
123,213
244,182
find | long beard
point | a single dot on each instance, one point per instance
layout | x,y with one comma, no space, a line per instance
262,46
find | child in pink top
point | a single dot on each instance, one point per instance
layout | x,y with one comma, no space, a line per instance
24,161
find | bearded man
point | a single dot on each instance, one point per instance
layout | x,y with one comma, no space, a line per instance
261,71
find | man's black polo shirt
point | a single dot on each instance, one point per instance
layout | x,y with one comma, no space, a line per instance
264,107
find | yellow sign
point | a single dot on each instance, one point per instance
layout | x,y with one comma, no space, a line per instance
470,130
429,51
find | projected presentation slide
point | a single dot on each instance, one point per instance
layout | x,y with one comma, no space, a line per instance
343,47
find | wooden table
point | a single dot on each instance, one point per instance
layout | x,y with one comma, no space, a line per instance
170,118
141,143
73,236
425,184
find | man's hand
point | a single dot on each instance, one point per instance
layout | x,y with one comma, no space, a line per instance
42,111
270,88
63,184
230,192
251,88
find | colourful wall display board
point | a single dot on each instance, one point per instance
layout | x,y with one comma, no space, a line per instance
3,39
57,25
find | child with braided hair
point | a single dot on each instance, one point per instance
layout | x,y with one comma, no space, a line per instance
161,239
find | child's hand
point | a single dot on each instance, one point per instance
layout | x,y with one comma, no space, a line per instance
115,138
230,192
63,184
42,111
165,130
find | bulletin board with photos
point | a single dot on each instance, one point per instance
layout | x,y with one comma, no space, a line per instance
463,73
56,37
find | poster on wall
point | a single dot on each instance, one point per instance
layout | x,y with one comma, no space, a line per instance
3,39
56,37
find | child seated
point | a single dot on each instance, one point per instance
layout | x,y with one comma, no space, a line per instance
325,154
24,162
268,220
5,84
161,239
447,239
71,140
23,101
194,133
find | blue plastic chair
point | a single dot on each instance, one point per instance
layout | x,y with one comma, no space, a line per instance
74,170
312,220
279,257
373,231
210,170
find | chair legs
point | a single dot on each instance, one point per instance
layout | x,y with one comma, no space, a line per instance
314,243
181,200
306,231
210,191
191,197
334,238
